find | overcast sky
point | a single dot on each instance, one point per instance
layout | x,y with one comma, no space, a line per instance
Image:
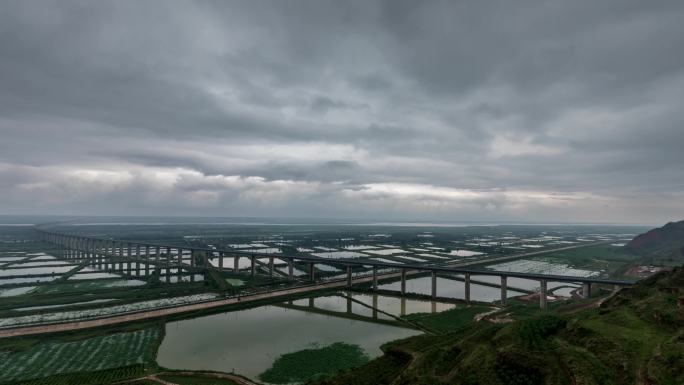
537,111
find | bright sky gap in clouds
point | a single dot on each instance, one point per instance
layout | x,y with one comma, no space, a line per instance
535,111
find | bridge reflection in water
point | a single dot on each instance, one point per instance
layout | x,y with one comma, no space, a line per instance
377,308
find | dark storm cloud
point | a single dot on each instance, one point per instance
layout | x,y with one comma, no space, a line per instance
434,109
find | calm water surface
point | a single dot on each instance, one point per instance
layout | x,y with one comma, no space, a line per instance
249,341
451,288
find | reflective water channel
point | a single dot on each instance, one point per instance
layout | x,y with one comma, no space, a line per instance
249,341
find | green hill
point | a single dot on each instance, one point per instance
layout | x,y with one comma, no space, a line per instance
635,336
664,245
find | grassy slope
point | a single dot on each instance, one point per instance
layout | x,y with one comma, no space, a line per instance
636,337
661,246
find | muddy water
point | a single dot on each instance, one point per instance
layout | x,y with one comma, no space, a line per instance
249,341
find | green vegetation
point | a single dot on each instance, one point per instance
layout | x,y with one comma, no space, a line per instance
92,377
96,355
449,319
316,362
196,379
382,370
637,336
143,381
661,246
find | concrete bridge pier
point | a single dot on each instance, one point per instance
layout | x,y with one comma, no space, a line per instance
403,281
104,255
129,255
290,269
349,304
180,264
467,287
504,284
89,250
312,272
586,290
375,278
102,262
375,306
349,276
157,257
167,263
193,257
86,249
311,302
253,266
60,248
121,257
108,253
271,264
542,294
137,263
220,261
402,310
98,255
196,259
112,257
434,284
147,260
236,264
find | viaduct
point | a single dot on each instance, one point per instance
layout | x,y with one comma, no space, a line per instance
144,259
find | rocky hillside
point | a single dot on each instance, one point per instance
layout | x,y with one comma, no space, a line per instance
665,244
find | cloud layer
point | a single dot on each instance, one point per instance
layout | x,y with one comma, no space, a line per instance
528,111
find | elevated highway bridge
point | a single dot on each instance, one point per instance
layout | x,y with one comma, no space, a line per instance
140,258
136,260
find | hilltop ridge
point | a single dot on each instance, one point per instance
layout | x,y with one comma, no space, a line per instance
663,245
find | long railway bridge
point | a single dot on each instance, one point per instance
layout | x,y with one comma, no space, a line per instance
135,259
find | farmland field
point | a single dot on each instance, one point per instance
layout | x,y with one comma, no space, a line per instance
94,354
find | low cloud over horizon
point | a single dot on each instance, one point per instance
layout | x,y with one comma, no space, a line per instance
535,111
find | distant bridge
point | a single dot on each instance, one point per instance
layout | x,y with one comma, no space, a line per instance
127,257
